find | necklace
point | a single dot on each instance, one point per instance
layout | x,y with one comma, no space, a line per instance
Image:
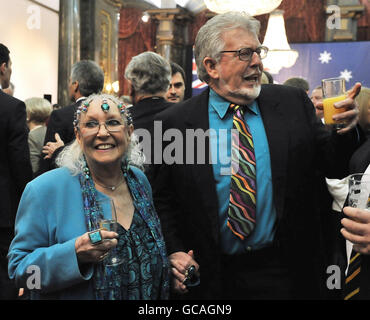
110,188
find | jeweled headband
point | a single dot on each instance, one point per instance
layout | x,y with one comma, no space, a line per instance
104,106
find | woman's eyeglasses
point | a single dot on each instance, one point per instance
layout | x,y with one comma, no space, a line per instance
92,127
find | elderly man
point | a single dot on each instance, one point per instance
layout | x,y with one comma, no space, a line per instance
176,92
252,233
86,78
149,76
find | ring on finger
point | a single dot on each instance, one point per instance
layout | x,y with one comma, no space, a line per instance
189,272
95,237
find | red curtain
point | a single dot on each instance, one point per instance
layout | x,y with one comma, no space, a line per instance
363,27
199,20
135,37
304,21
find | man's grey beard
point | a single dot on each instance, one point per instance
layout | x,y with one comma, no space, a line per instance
247,93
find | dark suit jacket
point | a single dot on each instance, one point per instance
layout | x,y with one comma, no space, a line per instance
15,165
359,163
186,200
143,114
61,122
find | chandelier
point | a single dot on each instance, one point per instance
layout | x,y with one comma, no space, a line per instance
253,7
280,54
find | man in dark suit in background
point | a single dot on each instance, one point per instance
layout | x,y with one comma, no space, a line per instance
275,253
86,78
15,167
149,75
176,91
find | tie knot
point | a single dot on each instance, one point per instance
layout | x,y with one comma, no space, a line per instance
235,107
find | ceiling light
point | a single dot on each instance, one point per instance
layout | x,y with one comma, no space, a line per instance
253,7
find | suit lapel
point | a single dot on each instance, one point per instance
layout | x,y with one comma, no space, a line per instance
274,121
202,174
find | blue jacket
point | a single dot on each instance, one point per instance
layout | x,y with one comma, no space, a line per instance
49,219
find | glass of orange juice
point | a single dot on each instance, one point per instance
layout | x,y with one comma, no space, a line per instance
333,91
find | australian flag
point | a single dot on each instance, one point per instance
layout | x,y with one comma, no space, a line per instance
317,61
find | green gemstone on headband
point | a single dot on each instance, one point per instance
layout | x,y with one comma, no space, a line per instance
105,107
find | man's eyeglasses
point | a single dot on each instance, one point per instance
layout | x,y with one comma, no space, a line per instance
92,127
245,54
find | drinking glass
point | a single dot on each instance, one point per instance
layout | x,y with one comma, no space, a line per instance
359,191
111,224
333,91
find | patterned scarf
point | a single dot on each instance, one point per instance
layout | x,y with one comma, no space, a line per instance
144,204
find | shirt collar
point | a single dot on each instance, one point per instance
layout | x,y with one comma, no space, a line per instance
81,98
221,105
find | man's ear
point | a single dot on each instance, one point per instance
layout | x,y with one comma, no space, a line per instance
210,66
2,68
76,86
131,89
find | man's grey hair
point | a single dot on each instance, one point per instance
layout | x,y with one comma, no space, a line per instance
209,42
72,156
149,73
89,75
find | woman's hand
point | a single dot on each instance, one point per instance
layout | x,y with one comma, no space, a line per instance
180,262
89,253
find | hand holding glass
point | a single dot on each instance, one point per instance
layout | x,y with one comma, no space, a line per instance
113,258
359,191
333,91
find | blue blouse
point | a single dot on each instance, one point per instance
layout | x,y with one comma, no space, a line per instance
140,276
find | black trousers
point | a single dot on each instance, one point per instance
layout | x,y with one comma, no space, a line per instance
256,275
8,290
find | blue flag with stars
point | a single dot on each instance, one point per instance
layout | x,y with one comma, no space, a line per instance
317,61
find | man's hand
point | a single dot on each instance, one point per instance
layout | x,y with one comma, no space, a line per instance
349,117
50,147
180,262
357,228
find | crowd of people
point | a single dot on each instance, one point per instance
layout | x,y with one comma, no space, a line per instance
230,194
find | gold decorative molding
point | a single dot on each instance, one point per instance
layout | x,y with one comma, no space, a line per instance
169,14
114,3
105,49
170,24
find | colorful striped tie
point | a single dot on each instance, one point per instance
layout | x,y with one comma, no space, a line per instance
242,205
352,285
